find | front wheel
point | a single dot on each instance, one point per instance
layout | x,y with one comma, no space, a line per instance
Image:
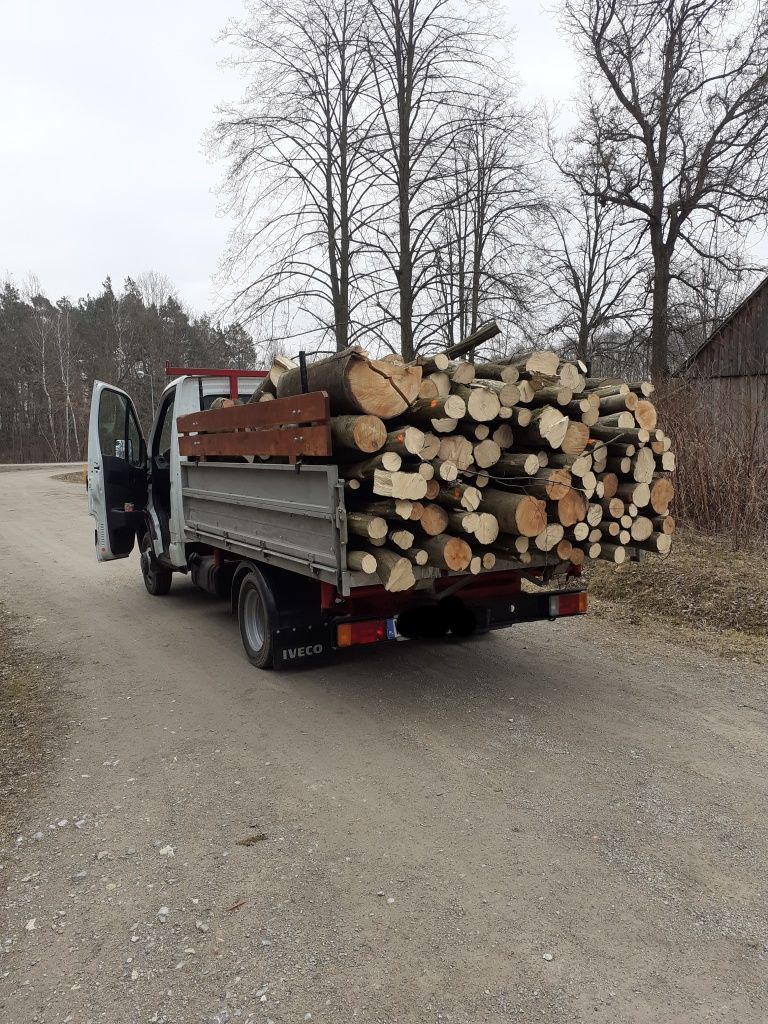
157,579
255,620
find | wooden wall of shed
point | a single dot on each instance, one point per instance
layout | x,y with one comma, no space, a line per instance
739,407
741,347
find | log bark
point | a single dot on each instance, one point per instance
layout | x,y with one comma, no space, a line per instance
363,524
446,552
507,374
634,493
512,464
406,441
538,361
389,461
613,553
356,384
460,372
516,513
389,508
394,571
361,561
427,410
658,542
548,426
460,495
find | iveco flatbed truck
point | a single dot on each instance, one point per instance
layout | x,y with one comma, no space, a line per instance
271,538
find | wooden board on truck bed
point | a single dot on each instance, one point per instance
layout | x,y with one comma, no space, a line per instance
290,427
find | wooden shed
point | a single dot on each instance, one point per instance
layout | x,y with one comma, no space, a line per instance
732,364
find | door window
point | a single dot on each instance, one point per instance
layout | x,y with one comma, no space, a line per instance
119,434
112,415
163,439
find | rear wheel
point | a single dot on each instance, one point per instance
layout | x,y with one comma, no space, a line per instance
255,620
157,579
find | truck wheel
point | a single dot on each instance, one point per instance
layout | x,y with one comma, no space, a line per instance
255,620
157,579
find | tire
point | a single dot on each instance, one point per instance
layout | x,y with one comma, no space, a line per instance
157,579
254,616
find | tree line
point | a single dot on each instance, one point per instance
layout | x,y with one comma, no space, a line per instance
51,352
390,189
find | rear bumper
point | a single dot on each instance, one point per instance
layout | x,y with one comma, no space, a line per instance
302,643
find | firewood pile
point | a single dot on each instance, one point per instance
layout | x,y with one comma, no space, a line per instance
469,465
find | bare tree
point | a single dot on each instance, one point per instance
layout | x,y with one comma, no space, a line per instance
424,60
488,194
296,178
678,93
591,265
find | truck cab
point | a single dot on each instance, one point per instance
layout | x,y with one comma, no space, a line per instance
134,486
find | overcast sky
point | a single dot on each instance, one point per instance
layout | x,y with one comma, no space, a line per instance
104,108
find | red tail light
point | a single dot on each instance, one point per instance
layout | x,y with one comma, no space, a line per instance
575,603
350,633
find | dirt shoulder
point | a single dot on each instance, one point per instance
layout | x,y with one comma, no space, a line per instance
703,593
32,720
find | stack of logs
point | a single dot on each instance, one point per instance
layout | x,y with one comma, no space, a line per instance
469,465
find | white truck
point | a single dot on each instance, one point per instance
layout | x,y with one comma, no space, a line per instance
271,538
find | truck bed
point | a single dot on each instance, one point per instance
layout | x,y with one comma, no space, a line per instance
288,516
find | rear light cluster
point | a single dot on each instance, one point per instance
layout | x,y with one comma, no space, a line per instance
568,604
350,633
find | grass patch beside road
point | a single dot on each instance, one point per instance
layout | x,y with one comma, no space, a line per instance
702,585
31,723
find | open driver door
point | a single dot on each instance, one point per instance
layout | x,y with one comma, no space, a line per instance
117,472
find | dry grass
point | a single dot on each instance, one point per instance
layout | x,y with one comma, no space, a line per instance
31,722
703,586
76,477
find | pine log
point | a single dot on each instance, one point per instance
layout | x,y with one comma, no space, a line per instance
638,435
482,479
508,374
441,382
425,469
433,363
547,426
545,483
457,449
356,384
394,571
512,464
661,494
447,552
577,556
572,508
621,466
616,419
417,556
578,532
643,466
361,561
594,514
664,524
399,485
475,565
549,537
363,524
564,550
433,489
430,448
589,484
428,410
571,377
556,394
482,405
507,394
401,538
434,519
537,361
460,372
460,521
489,559
666,462
486,453
480,335
637,494
445,470
603,389
389,508
520,417
646,415
641,528
406,441
428,388
610,528
576,438
579,465
659,542
613,553
516,513
460,495
642,387
618,403
358,433
503,435
610,482
389,461
486,528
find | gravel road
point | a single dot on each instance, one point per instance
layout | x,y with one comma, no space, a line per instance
554,823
